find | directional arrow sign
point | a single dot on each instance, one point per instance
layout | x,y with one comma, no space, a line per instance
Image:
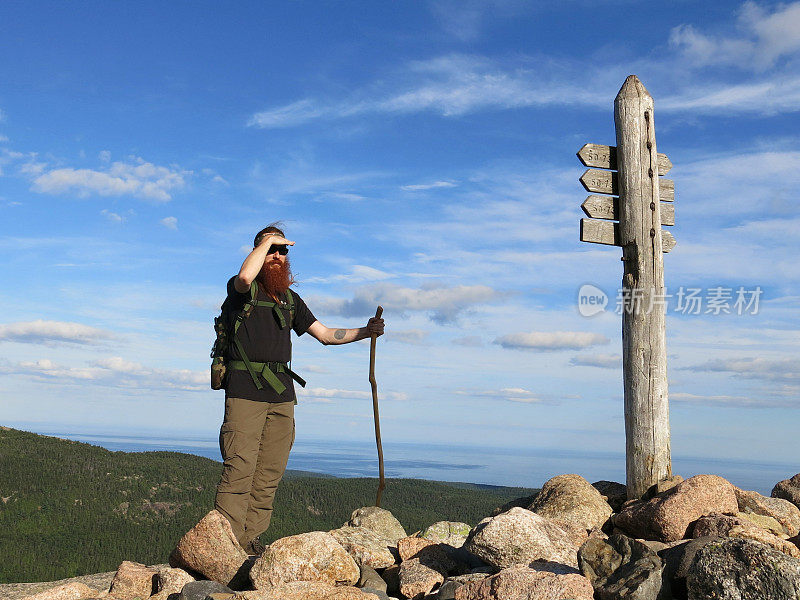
607,232
597,155
601,207
667,241
607,207
666,189
605,157
605,182
664,164
600,232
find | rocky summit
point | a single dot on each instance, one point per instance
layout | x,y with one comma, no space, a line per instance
690,539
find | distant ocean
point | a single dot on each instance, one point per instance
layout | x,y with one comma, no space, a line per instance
494,466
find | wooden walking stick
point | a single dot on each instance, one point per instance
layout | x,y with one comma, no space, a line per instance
374,384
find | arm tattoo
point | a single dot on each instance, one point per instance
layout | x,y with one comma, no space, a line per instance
339,334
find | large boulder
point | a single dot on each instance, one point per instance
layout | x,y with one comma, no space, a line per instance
133,580
451,533
733,526
171,581
432,554
788,489
366,546
622,568
764,522
612,492
200,590
738,569
718,525
418,578
573,500
668,516
370,578
380,520
780,509
524,583
211,549
74,590
313,556
520,536
425,564
307,590
678,559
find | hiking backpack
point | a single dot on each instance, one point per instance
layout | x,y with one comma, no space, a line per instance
226,326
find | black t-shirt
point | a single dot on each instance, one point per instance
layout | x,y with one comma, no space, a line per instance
263,340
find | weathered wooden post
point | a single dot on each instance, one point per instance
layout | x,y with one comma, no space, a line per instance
641,214
644,345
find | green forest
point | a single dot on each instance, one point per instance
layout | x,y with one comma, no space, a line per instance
68,508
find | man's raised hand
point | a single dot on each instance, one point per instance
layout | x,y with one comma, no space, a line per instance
375,326
274,239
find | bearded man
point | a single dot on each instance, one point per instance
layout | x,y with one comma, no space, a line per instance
258,429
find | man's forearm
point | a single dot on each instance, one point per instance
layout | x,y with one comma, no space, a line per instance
345,336
253,263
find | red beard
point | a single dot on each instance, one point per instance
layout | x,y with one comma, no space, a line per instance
275,280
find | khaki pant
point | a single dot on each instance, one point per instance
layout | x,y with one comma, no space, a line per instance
255,440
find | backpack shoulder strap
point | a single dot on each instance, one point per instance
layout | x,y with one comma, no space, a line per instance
253,291
247,308
290,303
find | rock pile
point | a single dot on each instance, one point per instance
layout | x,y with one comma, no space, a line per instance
696,539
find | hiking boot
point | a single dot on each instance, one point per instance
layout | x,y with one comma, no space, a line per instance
255,547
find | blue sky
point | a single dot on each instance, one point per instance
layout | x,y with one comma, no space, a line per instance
422,156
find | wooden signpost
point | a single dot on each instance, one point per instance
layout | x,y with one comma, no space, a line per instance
636,204
605,182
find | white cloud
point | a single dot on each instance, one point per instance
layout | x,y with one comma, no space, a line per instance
470,341
104,156
112,216
357,274
7,157
768,96
450,85
510,394
290,115
113,372
770,178
329,394
408,336
444,303
51,332
459,84
428,186
170,223
735,401
33,168
782,370
2,116
761,39
214,177
3,138
461,19
602,361
136,178
551,340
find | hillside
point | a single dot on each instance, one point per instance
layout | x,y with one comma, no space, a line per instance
68,508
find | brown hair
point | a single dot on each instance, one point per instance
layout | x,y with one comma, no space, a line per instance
271,228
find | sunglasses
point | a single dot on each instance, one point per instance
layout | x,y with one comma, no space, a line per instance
282,249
